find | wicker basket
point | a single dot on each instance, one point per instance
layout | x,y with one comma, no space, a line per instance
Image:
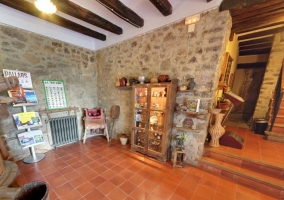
36,190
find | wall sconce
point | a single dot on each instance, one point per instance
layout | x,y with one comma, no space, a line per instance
190,21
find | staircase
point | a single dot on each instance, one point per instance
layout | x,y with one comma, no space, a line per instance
259,176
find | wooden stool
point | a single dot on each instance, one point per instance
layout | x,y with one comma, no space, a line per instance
179,152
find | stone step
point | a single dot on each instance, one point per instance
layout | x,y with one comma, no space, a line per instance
242,162
278,128
274,136
263,184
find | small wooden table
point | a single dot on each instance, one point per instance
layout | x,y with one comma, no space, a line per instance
179,157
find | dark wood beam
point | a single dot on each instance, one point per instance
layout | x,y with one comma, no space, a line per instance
257,41
255,46
83,14
257,6
255,52
163,6
122,11
259,9
208,1
29,8
230,4
261,33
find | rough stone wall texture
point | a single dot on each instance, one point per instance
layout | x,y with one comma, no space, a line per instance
270,78
46,58
168,50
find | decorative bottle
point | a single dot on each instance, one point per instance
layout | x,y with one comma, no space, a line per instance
191,84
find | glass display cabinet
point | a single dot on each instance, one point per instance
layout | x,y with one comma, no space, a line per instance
153,117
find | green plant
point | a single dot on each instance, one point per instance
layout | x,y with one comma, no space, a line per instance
223,99
180,137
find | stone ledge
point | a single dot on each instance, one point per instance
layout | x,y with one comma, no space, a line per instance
10,173
273,136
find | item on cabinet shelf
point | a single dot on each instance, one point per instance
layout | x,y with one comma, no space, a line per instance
154,79
132,80
163,78
182,88
117,82
217,130
141,79
123,81
127,83
191,84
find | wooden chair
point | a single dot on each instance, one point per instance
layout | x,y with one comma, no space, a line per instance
95,120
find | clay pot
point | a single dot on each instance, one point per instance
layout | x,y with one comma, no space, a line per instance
154,79
123,81
163,78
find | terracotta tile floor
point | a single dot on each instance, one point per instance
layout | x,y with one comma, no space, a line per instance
102,170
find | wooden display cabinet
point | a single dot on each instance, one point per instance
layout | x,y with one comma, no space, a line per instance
153,118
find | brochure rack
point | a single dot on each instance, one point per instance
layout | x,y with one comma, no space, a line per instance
34,157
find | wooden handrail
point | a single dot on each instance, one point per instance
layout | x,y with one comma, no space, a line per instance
45,111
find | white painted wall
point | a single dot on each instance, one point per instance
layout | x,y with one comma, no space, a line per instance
152,19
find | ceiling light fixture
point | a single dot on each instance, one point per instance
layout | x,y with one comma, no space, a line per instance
45,6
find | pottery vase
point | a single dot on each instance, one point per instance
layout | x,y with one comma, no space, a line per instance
117,82
123,81
123,140
154,79
217,130
191,84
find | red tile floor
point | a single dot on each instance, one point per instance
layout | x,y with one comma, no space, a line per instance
101,170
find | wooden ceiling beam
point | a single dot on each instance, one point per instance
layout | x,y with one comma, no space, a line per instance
257,41
163,6
255,46
29,8
261,33
252,43
230,4
83,14
269,10
257,6
259,23
255,52
122,11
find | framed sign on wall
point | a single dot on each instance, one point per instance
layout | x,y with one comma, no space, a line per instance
55,95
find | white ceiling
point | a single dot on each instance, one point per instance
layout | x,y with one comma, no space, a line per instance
153,19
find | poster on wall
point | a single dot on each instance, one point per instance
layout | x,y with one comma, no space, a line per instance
30,138
24,77
55,94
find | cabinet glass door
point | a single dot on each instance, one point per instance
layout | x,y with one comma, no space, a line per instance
140,118
157,108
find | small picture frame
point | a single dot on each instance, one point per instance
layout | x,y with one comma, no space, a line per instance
193,105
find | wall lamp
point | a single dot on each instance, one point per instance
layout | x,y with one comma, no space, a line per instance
190,21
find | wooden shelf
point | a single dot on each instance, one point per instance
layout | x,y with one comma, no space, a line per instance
186,129
186,90
197,115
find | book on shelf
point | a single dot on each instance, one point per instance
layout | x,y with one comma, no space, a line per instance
27,120
23,96
193,105
18,94
30,138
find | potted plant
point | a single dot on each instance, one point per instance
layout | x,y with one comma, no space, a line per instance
123,138
223,103
180,139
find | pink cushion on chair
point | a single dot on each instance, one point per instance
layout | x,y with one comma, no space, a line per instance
95,113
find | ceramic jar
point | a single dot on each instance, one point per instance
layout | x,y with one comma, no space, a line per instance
123,81
191,84
163,78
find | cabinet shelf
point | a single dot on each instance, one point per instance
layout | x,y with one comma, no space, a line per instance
186,129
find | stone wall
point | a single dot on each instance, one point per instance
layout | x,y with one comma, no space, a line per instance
46,58
270,78
168,50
